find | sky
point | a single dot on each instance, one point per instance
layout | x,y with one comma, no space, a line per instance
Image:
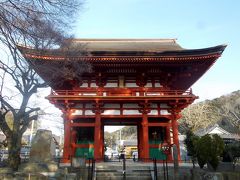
195,24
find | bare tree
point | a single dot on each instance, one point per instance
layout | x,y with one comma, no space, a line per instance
37,23
198,116
229,108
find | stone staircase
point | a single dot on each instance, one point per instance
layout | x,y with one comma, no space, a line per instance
115,172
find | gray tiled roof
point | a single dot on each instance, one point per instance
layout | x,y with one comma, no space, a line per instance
224,135
147,45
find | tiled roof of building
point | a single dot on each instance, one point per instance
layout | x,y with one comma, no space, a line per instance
150,45
162,58
222,132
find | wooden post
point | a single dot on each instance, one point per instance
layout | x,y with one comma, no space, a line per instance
168,140
73,142
98,138
175,135
145,139
67,138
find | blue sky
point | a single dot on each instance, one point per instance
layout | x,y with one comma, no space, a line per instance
195,23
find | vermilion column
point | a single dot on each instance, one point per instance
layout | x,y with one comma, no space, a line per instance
98,138
168,140
67,140
140,136
73,142
145,139
175,135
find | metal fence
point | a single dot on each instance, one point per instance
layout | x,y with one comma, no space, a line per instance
92,171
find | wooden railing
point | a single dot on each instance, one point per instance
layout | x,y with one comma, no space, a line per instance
121,92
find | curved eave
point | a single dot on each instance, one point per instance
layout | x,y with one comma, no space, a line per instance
187,65
183,52
103,56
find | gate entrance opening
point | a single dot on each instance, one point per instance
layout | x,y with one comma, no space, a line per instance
121,143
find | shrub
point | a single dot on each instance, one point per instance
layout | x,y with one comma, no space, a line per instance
190,142
208,149
232,153
202,148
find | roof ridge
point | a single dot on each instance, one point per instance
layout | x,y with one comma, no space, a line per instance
126,39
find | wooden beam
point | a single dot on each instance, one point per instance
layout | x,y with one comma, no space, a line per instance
82,145
82,124
159,124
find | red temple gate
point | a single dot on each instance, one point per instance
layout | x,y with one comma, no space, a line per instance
133,82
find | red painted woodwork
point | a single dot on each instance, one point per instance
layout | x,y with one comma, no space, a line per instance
168,140
145,139
82,145
67,139
98,138
161,63
175,135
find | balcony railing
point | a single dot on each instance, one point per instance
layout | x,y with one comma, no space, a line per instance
132,92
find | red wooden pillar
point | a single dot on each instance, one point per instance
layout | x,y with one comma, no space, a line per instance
140,136
168,140
175,135
67,138
73,141
145,139
98,138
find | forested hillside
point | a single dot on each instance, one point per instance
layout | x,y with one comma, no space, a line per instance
128,132
224,110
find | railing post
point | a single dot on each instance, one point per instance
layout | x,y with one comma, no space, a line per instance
155,168
164,173
167,168
89,169
124,168
92,169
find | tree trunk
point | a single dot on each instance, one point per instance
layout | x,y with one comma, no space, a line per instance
14,147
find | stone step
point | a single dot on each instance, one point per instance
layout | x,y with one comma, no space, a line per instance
127,178
109,172
127,170
118,174
114,171
127,167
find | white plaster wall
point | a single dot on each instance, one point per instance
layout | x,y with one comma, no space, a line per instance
89,112
131,112
108,105
89,94
77,112
93,85
149,84
131,85
153,105
89,105
153,94
111,84
157,84
153,112
130,105
164,112
111,112
84,85
163,105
